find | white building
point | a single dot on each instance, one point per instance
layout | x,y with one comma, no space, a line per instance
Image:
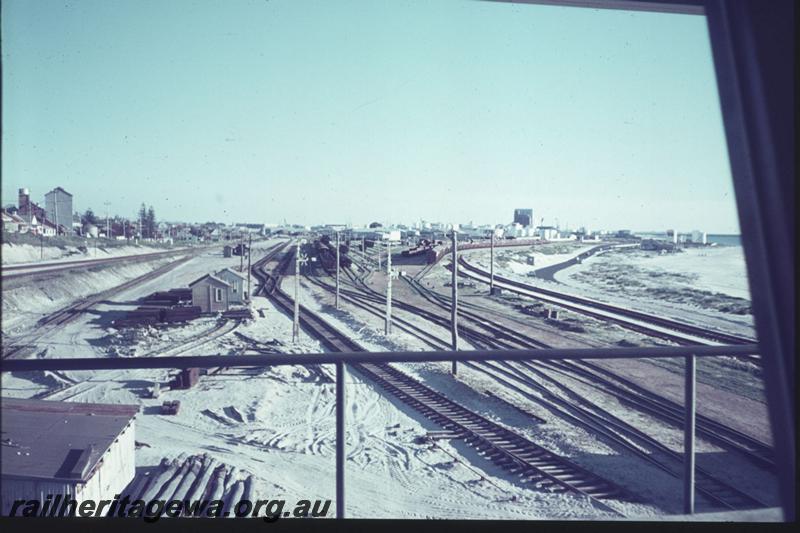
547,233
80,451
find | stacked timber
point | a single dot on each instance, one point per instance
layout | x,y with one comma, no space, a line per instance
170,297
181,314
141,316
238,313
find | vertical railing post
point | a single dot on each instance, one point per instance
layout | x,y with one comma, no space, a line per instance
340,434
688,435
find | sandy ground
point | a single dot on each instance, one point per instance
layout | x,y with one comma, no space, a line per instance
278,424
26,254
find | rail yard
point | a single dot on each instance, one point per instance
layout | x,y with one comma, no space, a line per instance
524,438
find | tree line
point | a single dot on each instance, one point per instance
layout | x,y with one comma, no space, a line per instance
146,221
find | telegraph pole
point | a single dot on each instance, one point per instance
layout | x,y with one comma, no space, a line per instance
249,249
241,251
108,230
378,250
454,307
491,266
337,270
297,262
388,287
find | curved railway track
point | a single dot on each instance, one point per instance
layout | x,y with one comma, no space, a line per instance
75,388
526,461
22,347
589,416
628,318
625,390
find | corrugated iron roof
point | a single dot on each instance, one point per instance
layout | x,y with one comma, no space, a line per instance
212,278
230,271
58,440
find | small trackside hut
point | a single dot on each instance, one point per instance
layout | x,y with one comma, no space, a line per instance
70,450
237,294
210,294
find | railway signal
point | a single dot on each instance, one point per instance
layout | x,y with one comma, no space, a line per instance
299,259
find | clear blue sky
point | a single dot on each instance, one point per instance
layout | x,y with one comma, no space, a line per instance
360,110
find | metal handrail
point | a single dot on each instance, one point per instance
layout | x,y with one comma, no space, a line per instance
689,353
212,361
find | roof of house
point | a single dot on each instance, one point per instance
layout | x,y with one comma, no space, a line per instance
18,219
58,440
211,278
230,271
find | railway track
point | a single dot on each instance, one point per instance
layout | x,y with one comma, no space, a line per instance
76,388
648,324
526,461
624,389
17,348
589,416
29,270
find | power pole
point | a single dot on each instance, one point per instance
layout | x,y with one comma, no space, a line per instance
337,270
378,250
249,249
491,266
297,262
454,308
388,287
108,230
241,251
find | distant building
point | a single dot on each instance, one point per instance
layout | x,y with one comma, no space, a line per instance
547,233
58,207
237,294
28,209
523,217
13,223
72,450
90,230
210,294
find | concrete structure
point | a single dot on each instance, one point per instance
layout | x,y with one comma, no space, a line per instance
80,451
210,294
237,294
523,217
58,207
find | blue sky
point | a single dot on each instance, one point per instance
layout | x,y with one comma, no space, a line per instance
360,110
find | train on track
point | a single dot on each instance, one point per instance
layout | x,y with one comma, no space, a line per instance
325,252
